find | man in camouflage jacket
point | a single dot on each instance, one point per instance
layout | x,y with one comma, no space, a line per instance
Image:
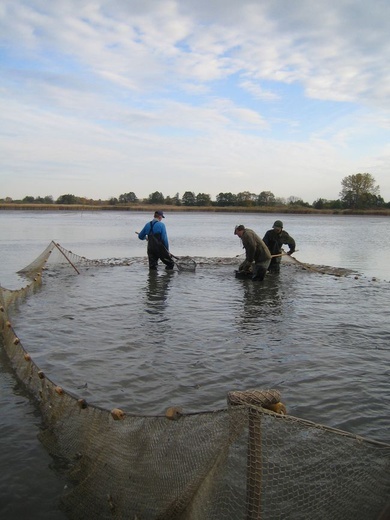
274,239
255,251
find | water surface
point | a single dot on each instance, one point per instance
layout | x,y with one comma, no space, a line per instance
120,336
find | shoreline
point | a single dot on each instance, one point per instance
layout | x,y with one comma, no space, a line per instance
200,209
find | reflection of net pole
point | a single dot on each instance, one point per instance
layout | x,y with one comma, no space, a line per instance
60,250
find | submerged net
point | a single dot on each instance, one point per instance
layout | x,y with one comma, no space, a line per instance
184,263
247,461
321,269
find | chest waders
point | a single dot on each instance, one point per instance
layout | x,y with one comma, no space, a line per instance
157,250
154,241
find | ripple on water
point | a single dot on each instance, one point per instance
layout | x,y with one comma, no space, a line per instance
144,341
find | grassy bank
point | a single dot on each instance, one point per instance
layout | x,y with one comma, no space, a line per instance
203,209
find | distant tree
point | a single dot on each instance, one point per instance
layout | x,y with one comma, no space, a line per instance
113,201
296,201
334,204
327,204
68,199
41,200
372,201
28,199
125,198
266,198
176,200
226,199
358,191
156,198
203,199
245,198
319,203
189,199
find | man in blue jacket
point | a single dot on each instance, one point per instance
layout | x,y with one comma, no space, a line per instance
158,246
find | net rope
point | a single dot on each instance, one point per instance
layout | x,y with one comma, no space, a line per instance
250,460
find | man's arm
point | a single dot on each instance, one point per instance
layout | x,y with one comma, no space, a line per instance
288,240
144,232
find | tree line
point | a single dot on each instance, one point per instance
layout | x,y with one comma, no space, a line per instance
358,191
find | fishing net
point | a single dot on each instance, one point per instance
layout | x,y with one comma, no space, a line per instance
249,460
321,269
184,263
291,261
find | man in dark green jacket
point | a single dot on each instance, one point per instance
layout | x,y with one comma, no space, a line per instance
255,251
274,239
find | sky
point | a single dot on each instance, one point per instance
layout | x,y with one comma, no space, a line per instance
101,98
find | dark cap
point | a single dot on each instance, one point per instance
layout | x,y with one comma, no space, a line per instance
278,223
240,227
159,213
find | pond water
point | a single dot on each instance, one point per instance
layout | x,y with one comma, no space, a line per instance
123,337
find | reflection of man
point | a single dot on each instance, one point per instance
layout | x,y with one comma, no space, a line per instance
268,303
156,304
255,251
157,290
274,239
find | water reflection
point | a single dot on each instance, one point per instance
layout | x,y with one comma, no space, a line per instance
260,300
156,292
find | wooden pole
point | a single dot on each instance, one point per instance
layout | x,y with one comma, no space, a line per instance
60,250
253,490
258,399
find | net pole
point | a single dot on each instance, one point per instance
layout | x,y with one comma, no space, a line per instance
254,465
253,476
71,263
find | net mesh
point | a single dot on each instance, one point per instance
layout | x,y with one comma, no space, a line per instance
185,263
249,460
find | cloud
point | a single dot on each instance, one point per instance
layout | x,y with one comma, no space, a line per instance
115,96
257,91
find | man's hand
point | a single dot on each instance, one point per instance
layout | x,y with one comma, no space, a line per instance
245,266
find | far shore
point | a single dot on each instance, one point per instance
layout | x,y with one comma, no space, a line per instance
199,209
